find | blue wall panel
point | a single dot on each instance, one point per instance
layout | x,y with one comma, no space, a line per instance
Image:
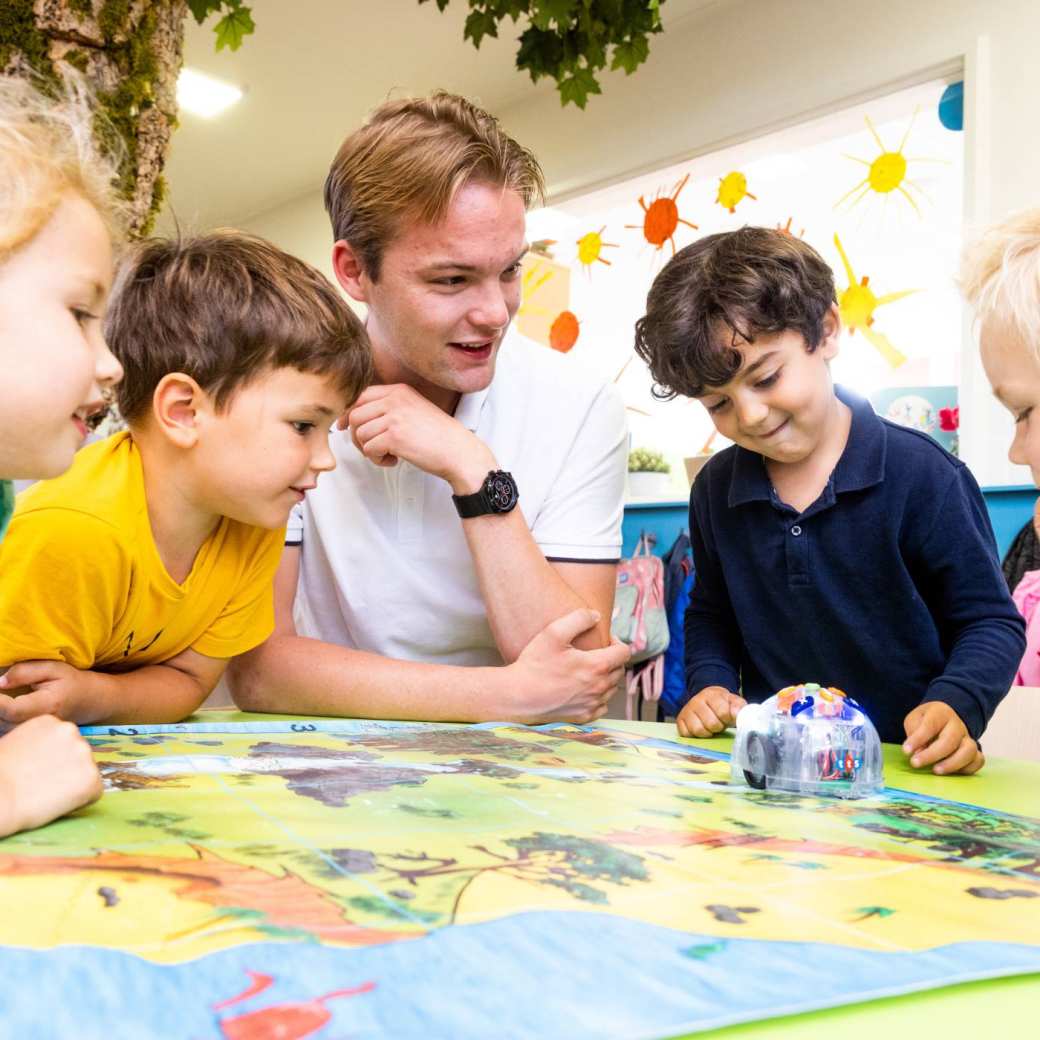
1009,508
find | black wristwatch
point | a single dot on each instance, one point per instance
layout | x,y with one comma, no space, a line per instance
498,494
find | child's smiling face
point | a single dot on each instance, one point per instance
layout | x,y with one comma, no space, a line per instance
54,359
258,457
1013,371
780,402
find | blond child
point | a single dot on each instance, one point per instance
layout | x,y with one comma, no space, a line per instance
58,222
1000,278
132,579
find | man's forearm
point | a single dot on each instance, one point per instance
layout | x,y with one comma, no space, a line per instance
521,590
296,675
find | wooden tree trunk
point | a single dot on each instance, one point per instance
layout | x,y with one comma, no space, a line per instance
130,51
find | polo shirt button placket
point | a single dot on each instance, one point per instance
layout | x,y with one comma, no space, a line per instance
797,557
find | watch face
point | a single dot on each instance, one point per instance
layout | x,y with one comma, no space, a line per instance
501,492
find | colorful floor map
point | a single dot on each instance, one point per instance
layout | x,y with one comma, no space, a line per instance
353,879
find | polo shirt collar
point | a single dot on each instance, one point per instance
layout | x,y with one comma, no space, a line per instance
862,463
468,410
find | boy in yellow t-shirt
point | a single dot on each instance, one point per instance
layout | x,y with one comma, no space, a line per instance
129,581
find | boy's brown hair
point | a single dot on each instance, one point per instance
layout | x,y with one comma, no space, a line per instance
408,161
726,289
223,308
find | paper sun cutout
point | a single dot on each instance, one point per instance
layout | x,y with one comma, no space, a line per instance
661,218
732,189
857,304
590,247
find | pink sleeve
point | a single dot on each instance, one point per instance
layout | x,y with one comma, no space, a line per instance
1027,599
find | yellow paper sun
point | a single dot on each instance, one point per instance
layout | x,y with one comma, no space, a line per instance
590,246
732,190
887,172
857,304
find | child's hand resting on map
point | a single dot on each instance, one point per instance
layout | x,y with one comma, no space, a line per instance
32,688
936,736
709,712
46,770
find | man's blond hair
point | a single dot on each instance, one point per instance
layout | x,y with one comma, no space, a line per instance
407,162
47,152
1000,274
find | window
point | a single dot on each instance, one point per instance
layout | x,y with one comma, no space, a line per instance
813,179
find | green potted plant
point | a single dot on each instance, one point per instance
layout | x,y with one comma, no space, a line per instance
649,475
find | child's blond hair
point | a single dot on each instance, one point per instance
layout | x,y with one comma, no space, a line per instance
47,150
1000,274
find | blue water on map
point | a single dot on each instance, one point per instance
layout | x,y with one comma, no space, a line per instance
542,975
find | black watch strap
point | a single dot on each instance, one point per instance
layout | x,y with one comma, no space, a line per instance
498,494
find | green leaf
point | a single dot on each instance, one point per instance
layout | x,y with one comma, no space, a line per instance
540,53
202,9
545,12
478,25
235,25
578,86
630,54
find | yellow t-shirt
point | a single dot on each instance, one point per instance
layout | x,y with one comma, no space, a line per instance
81,579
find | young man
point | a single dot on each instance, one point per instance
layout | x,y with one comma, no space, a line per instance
131,579
474,519
829,545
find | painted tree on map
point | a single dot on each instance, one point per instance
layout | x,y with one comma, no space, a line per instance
564,861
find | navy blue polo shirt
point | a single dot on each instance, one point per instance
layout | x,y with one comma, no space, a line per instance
888,586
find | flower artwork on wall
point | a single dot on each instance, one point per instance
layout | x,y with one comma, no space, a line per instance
928,409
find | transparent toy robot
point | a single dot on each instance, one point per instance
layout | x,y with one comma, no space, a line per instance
808,739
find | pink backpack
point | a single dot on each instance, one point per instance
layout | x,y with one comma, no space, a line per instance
640,620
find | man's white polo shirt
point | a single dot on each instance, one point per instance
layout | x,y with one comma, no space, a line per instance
384,564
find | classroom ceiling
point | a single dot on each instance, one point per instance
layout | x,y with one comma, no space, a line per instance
311,72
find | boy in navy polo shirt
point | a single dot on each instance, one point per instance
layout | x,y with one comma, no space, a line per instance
829,545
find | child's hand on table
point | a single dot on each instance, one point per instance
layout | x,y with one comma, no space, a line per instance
46,770
32,688
936,736
709,712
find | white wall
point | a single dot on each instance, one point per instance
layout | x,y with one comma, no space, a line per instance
746,66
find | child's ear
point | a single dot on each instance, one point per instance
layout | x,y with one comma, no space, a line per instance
350,272
178,405
831,333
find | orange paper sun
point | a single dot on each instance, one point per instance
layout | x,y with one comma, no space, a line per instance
564,332
785,229
661,218
590,247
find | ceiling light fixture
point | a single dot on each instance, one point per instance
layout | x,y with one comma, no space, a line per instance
203,95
